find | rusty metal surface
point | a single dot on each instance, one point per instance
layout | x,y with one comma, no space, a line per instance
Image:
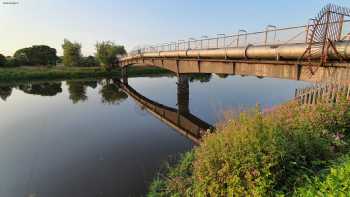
322,34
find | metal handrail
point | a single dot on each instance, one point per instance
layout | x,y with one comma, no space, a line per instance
234,38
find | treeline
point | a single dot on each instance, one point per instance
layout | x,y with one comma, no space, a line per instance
106,55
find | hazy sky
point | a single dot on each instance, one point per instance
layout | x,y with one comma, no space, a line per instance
136,22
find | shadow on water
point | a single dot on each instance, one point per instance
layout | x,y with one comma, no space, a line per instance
181,119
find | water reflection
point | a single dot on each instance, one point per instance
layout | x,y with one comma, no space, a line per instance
107,146
77,91
111,93
201,77
42,89
5,92
179,119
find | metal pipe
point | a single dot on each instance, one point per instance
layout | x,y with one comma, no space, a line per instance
285,51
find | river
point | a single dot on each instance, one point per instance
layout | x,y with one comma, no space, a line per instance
92,138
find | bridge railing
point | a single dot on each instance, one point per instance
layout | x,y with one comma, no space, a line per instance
271,35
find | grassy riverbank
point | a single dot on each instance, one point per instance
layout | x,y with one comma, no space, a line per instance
51,73
287,151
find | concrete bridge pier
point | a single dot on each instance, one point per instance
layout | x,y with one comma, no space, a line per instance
124,73
183,95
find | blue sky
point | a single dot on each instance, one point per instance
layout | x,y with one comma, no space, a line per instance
137,22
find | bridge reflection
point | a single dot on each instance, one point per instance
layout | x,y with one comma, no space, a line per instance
180,119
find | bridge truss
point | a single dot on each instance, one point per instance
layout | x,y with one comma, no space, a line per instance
323,32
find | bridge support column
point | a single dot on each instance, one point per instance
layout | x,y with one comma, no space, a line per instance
297,71
125,74
183,95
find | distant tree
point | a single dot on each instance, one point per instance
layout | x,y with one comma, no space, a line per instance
107,52
89,61
2,60
36,55
59,60
11,62
71,53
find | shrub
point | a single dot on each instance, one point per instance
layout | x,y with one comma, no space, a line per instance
265,154
335,182
177,181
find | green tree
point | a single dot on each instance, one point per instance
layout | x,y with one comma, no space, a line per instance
107,52
2,60
71,53
89,61
36,55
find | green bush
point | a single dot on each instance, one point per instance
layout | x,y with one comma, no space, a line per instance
336,182
266,154
175,181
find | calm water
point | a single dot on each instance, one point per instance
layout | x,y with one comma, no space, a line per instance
89,138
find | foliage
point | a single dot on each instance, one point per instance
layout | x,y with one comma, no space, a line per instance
2,60
334,182
5,92
201,77
266,154
107,52
77,91
11,62
60,72
89,61
178,179
36,55
111,93
71,53
43,89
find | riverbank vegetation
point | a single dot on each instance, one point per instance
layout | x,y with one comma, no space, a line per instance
41,62
52,73
290,150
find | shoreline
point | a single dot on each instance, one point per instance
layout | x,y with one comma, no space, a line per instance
63,73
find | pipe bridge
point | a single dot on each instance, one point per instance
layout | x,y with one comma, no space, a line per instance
323,42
